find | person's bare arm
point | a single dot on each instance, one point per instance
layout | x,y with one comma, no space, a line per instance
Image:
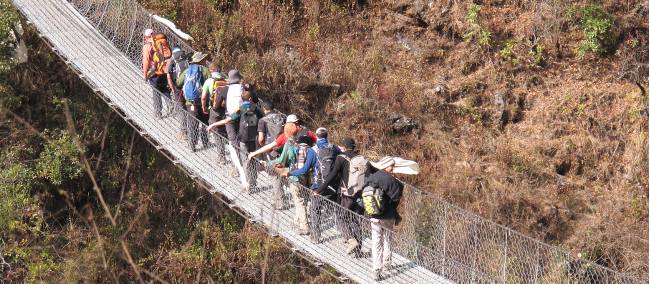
219,123
265,149
171,84
204,100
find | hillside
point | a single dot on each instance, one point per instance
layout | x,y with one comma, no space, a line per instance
85,199
531,113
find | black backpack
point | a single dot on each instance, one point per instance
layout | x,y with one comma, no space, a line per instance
248,125
326,158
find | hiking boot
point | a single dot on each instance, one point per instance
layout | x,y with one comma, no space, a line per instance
352,246
376,275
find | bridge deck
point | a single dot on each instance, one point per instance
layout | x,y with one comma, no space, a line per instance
111,74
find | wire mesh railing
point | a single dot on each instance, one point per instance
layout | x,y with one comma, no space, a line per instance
434,236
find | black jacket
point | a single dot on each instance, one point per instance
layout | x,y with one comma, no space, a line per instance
392,192
340,171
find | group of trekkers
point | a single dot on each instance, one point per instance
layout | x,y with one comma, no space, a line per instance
334,174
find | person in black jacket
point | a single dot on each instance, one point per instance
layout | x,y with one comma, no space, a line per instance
348,223
381,225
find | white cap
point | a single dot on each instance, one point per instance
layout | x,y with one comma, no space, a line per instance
321,130
148,32
292,118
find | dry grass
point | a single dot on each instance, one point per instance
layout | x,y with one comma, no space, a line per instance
567,162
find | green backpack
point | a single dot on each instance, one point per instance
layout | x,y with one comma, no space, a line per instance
373,200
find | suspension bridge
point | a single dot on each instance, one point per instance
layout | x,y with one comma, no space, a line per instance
437,242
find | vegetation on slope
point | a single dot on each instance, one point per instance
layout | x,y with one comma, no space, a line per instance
531,113
159,225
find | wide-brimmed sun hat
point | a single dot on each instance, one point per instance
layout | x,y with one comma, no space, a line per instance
198,57
400,166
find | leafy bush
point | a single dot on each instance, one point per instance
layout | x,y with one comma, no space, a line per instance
597,26
59,160
477,32
8,17
18,209
539,55
508,52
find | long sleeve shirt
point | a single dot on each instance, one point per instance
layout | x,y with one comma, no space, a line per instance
339,172
288,157
392,192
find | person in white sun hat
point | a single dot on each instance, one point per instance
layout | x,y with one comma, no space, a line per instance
380,197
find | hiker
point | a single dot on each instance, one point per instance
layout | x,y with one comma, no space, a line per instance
191,80
147,52
318,163
278,143
268,129
175,66
212,87
380,197
246,117
350,168
293,157
233,100
155,54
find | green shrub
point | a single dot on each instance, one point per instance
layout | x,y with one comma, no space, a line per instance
508,52
538,54
597,27
477,32
59,160
8,17
18,209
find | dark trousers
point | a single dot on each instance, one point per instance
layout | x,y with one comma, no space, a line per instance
196,126
319,209
250,165
159,84
349,222
220,136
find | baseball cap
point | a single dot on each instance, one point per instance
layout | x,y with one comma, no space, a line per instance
148,32
292,118
321,130
349,143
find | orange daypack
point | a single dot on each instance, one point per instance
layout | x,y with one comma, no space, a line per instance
162,52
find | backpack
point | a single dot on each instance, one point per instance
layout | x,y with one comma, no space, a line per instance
373,200
181,65
300,162
162,52
325,157
274,125
217,86
248,125
356,175
193,83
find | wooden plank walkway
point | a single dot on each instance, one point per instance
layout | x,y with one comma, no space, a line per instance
112,75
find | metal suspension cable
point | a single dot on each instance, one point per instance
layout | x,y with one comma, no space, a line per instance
437,241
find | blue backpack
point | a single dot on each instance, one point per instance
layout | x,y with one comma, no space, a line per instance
193,83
